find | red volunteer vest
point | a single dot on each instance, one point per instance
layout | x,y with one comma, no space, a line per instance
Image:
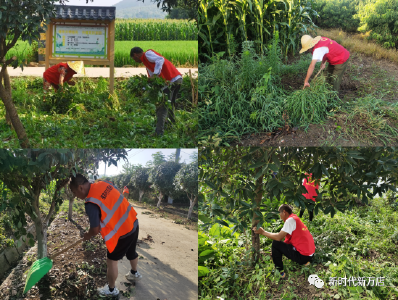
125,190
301,238
52,74
117,215
168,71
337,54
311,188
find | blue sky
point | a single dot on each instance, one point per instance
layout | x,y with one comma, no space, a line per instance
141,156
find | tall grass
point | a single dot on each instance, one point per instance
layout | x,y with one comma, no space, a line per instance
223,24
155,30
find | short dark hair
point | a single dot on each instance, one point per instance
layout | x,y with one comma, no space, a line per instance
287,208
78,180
137,50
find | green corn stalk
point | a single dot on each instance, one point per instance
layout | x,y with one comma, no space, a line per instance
225,11
243,9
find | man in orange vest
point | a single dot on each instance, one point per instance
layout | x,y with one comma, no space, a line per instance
157,65
56,75
126,192
326,50
311,187
111,215
298,246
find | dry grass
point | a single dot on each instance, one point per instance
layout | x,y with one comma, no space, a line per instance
358,43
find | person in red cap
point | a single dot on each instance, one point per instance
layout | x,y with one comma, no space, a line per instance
311,187
326,50
126,192
157,65
299,244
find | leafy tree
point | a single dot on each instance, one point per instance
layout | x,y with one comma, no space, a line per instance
162,178
27,172
237,183
139,180
186,179
19,20
158,158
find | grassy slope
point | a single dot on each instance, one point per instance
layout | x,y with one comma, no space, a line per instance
360,243
96,120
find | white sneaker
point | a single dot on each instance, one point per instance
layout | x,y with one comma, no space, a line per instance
137,276
105,292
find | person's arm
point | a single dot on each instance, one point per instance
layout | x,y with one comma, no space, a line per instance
273,236
157,60
309,73
92,232
62,73
94,215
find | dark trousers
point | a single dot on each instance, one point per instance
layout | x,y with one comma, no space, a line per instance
162,111
337,72
310,212
281,248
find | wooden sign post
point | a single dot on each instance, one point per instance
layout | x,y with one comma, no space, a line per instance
84,33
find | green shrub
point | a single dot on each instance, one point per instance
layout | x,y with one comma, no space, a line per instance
338,13
380,17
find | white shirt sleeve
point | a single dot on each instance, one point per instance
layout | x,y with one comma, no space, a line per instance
319,53
157,60
289,226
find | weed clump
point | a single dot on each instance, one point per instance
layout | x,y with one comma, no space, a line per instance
312,104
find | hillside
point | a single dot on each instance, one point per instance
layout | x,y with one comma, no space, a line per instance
138,9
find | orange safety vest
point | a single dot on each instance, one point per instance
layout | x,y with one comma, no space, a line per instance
125,190
117,215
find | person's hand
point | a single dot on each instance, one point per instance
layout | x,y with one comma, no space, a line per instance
323,65
259,231
71,82
306,84
86,236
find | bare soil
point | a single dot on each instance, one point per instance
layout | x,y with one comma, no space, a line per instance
364,76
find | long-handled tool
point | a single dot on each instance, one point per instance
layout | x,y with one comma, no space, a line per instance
42,266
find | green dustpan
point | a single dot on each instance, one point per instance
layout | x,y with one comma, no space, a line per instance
40,267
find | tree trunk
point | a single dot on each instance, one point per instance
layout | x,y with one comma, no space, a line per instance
160,197
193,202
141,193
257,199
70,208
41,235
6,96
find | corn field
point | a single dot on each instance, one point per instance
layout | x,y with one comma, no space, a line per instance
155,30
224,25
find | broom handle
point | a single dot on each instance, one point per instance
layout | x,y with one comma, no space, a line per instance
317,74
52,256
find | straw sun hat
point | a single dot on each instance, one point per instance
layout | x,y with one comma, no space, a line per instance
77,66
307,42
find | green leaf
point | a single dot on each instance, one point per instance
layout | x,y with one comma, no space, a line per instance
202,271
211,185
258,164
324,171
19,224
204,218
206,252
273,167
222,222
276,160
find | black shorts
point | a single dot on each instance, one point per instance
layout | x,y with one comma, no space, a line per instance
126,247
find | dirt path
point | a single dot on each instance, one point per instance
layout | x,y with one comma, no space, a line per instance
168,265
